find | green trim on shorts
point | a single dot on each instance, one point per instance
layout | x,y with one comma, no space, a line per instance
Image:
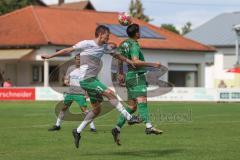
80,99
94,88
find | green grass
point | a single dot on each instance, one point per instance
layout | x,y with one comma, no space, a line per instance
212,133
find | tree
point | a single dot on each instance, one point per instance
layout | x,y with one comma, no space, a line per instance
11,5
186,28
170,27
136,10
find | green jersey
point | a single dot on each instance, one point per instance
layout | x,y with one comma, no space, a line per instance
130,48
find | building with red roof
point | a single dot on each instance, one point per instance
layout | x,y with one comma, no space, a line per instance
27,33
81,4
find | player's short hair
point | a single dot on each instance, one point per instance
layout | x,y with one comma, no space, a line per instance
77,56
101,29
132,30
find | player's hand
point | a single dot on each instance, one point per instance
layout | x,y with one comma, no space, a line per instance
131,63
45,56
157,65
66,82
121,78
112,45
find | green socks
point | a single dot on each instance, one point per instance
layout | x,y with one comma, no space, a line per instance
143,111
121,120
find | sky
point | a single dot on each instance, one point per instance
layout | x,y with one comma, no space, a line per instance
176,12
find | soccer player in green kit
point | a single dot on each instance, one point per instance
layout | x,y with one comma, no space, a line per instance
135,82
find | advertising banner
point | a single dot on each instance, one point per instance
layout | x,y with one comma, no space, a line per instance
17,94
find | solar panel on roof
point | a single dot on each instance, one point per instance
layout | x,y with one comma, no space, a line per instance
145,32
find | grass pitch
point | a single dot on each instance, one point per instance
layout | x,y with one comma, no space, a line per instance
199,131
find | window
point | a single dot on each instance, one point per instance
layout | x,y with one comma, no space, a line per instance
37,73
53,73
183,78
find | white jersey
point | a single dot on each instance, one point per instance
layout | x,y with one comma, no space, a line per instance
74,76
90,57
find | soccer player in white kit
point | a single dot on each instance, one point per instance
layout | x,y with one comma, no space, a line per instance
74,93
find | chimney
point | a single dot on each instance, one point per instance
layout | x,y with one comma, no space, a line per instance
60,2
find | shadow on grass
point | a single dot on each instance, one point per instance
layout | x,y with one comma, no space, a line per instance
140,153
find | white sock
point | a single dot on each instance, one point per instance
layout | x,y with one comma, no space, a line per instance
60,118
82,126
118,128
89,118
58,123
149,125
120,108
92,125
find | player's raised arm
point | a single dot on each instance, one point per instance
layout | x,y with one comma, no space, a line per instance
61,52
112,50
124,59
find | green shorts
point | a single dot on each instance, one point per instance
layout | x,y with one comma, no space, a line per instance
94,88
136,84
78,98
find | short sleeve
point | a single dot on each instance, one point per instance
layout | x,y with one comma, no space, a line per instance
80,45
134,51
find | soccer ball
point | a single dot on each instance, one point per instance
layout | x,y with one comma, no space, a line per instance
124,19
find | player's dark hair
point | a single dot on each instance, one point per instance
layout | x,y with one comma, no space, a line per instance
101,29
77,56
132,30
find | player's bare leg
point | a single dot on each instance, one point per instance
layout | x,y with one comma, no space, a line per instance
92,126
88,119
115,102
61,114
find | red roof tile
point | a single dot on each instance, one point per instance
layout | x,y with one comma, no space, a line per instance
33,26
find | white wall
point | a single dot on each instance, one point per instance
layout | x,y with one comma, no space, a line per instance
219,71
209,76
230,58
224,59
24,75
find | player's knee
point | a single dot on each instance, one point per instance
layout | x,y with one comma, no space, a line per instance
142,99
64,108
84,109
109,94
96,110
